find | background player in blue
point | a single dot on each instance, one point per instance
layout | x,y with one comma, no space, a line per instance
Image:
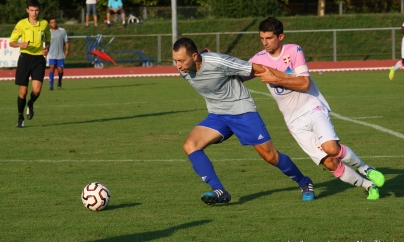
231,111
56,53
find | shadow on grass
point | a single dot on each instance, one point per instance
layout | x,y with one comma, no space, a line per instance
248,198
154,235
118,206
115,86
392,187
119,118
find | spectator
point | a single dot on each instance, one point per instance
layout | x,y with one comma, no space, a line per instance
115,7
91,6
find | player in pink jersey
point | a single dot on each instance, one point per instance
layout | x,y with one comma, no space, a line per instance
399,64
305,110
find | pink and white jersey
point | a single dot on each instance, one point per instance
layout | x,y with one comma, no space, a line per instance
291,103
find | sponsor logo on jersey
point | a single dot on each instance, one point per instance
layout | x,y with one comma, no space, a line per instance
289,71
279,90
286,59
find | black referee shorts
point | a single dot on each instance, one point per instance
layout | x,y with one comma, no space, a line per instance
30,66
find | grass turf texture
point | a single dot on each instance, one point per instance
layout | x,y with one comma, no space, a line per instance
127,134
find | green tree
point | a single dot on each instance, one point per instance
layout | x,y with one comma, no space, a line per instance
14,10
242,8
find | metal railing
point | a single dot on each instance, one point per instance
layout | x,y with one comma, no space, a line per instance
218,36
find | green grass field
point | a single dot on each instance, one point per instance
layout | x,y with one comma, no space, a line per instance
128,134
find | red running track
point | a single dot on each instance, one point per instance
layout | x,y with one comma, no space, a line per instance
81,73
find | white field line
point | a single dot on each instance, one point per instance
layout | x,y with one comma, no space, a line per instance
176,74
181,160
351,69
367,117
262,93
99,104
336,115
377,127
105,76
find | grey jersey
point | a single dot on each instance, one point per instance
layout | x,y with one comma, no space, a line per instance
58,39
216,81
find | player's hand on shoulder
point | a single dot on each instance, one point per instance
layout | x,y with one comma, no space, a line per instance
204,50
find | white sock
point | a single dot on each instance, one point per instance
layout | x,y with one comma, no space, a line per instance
398,65
348,175
350,158
351,177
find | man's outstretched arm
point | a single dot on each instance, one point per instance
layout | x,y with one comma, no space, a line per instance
271,76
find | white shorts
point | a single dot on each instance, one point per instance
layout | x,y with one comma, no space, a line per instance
313,129
402,48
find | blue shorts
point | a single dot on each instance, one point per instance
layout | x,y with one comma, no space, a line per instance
57,62
91,8
248,127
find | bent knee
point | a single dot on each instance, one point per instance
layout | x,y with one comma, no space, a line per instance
331,149
330,163
189,147
271,158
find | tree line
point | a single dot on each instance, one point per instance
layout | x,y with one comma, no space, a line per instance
14,10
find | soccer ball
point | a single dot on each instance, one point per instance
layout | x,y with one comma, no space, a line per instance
95,196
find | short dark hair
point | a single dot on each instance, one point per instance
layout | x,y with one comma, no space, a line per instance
33,3
186,43
271,24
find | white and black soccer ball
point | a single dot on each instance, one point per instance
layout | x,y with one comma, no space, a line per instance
95,196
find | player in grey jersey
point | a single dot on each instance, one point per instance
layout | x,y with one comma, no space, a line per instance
231,111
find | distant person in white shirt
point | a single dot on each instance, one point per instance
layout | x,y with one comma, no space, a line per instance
399,63
305,110
91,6
57,53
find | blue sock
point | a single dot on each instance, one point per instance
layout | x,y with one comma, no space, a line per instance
51,78
286,165
203,168
60,79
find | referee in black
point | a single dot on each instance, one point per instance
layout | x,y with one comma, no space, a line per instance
32,36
